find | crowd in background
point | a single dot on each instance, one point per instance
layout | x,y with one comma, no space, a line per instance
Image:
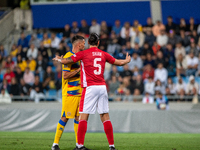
159,53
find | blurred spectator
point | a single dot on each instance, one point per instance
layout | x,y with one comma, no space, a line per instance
4,97
23,41
14,88
3,52
162,102
181,65
113,85
193,48
136,61
104,28
41,66
43,51
170,24
127,96
148,72
149,86
136,49
14,50
95,27
137,26
74,28
198,30
171,87
159,87
21,63
9,63
104,42
67,31
2,63
21,52
161,74
114,72
149,25
146,49
34,41
179,50
31,63
120,91
192,87
49,77
55,41
162,39
198,72
157,28
128,49
5,85
182,25
28,77
58,77
173,38
184,38
192,64
32,52
149,37
194,37
84,27
113,47
149,60
156,47
46,40
147,99
169,54
180,89
9,75
127,38
126,72
126,31
192,26
160,59
24,88
37,90
138,37
117,27
138,86
18,74
62,49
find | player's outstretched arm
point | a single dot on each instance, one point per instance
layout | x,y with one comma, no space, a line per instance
121,62
64,61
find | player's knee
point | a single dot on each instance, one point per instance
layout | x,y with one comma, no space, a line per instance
104,117
64,119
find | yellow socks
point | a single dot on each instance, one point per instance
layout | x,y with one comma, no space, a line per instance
59,131
76,129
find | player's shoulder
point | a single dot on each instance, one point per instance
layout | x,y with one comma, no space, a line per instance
68,54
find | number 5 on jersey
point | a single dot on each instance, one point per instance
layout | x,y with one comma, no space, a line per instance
97,72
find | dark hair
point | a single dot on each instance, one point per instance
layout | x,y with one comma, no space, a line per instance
76,38
93,39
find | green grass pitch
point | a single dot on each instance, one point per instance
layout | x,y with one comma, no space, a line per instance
98,141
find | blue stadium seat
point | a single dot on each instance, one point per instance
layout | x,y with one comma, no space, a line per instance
28,37
174,80
59,35
51,93
120,68
185,79
197,79
40,36
1,77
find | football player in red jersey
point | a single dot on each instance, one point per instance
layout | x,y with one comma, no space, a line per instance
94,95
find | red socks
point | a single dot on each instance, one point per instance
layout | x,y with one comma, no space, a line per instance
109,131
82,128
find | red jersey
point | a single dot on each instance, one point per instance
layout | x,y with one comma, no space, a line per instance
9,76
92,65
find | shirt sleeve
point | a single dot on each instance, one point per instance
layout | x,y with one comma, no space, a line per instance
78,56
109,58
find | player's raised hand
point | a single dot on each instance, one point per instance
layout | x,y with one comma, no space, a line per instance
128,57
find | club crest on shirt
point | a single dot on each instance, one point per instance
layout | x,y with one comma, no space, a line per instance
68,113
74,55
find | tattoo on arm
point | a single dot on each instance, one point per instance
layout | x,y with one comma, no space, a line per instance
67,60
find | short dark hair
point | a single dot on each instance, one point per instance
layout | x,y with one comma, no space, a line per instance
76,38
93,39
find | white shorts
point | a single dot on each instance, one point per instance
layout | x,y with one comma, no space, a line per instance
94,97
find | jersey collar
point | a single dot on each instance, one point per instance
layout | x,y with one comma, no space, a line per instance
72,52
